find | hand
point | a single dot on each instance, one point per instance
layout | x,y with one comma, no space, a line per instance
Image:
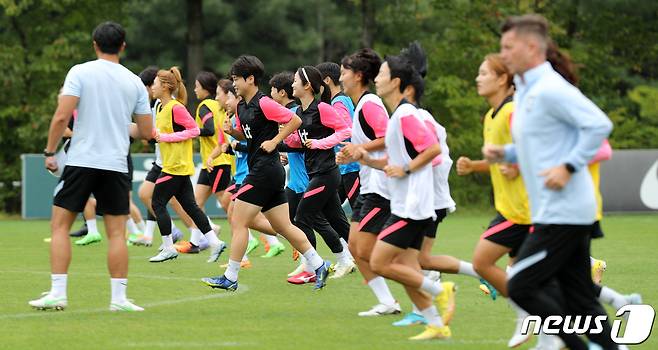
464,166
348,150
209,165
157,137
394,171
283,158
309,143
223,148
51,164
228,127
341,158
510,171
493,153
268,146
556,178
360,154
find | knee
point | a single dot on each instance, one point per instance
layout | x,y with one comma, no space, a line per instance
424,260
480,265
379,267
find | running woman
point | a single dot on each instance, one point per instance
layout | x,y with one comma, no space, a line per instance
410,149
258,118
175,130
372,207
321,130
107,96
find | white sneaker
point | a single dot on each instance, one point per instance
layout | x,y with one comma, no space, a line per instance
381,310
164,255
142,240
216,251
47,302
342,270
518,338
297,270
547,342
124,306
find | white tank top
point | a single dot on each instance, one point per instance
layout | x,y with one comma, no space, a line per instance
441,166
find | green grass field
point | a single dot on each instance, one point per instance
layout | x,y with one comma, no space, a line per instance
267,312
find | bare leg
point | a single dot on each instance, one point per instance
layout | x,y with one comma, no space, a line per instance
117,256
484,262
60,245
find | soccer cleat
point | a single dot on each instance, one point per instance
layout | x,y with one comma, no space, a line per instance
274,250
302,277
381,310
133,237
321,274
548,342
295,254
186,247
410,319
81,232
598,268
142,241
89,239
433,332
518,338
47,302
342,270
253,244
445,301
221,282
299,269
266,244
47,240
488,289
125,306
176,234
164,255
216,251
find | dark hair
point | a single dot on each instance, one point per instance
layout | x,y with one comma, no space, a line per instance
109,37
148,75
315,78
364,61
331,70
416,57
406,66
528,24
283,81
247,65
226,86
562,63
208,81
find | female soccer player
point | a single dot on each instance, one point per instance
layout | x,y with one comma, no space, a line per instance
258,118
175,130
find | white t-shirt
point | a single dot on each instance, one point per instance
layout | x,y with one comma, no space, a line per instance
441,165
109,96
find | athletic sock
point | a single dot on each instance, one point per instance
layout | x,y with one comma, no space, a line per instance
245,258
380,289
91,226
132,227
272,240
118,286
150,228
195,236
591,261
211,236
432,316
414,309
168,242
210,221
346,247
173,225
313,258
612,298
432,287
466,268
307,267
58,285
141,226
232,270
343,257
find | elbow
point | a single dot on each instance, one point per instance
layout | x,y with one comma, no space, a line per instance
435,150
195,132
296,121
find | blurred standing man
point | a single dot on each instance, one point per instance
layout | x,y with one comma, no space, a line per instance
107,96
556,132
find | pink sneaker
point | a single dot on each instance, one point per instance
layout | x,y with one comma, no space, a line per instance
302,277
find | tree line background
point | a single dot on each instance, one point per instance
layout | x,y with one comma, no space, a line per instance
615,44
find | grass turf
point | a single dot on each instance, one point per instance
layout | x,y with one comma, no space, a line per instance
267,312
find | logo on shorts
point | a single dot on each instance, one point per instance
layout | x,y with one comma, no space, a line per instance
639,322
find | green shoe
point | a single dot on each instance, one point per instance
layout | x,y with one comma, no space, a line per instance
274,250
89,239
253,244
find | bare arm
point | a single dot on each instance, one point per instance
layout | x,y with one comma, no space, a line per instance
59,123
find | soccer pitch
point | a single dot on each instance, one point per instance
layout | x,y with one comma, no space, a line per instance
266,311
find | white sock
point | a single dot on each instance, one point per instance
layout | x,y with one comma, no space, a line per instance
466,268
507,268
92,227
414,309
250,235
210,221
173,225
306,265
141,226
314,260
380,288
591,261
232,270
432,316
346,248
271,240
343,257
212,238
245,258
132,227
58,285
150,228
520,313
432,287
612,298
168,242
118,286
195,237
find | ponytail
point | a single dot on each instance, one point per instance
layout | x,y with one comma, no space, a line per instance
181,91
326,93
311,75
562,63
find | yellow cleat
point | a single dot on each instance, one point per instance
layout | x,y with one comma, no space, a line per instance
446,301
598,268
433,332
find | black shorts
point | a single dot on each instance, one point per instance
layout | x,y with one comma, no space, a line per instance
349,188
153,174
258,194
405,233
373,213
431,229
506,233
218,179
597,232
110,188
131,167
233,187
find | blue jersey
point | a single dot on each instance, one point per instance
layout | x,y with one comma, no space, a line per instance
347,102
298,180
241,162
